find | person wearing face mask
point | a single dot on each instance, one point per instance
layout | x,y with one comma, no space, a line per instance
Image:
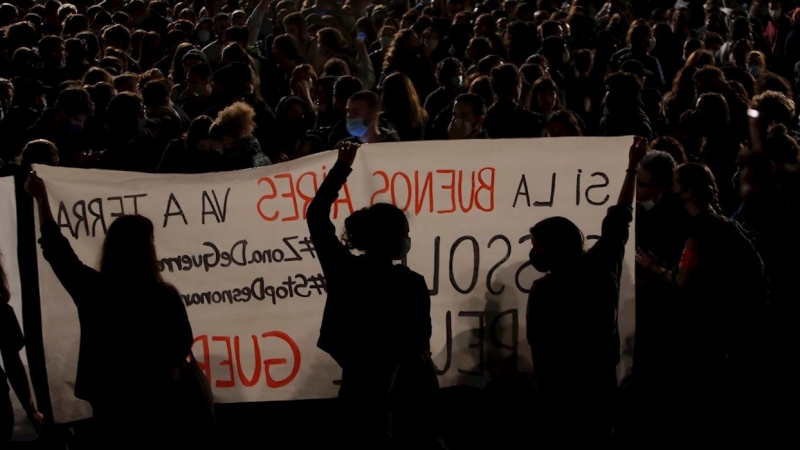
469,113
399,303
363,124
721,275
661,223
641,44
450,77
203,34
572,319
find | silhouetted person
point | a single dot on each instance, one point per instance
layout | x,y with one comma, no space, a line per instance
721,281
377,313
138,397
11,343
572,319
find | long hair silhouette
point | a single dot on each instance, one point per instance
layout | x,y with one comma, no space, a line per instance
129,252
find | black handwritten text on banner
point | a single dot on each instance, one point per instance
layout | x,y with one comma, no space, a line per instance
236,246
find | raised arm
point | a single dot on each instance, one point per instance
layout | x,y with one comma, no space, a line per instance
254,21
76,277
616,225
366,73
330,249
638,149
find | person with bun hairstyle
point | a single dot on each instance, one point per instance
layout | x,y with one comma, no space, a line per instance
377,322
780,147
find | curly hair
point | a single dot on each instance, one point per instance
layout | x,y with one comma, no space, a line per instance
399,44
236,121
377,230
774,107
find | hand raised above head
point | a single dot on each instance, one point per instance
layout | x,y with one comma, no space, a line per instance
639,148
35,186
347,152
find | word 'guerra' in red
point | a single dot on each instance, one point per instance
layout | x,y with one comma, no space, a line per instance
287,196
231,349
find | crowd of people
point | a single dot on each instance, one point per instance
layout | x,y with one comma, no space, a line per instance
707,86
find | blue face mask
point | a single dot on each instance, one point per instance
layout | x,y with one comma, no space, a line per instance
406,247
73,129
357,127
142,124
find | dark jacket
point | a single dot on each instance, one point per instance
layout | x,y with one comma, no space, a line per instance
121,328
374,310
506,119
572,314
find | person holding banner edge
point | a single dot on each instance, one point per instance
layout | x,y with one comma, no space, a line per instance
376,323
142,386
11,343
572,318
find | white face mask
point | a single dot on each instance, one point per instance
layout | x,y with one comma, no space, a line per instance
647,205
468,129
651,45
430,46
203,36
386,42
465,128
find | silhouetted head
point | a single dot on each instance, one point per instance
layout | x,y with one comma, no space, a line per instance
557,243
695,184
380,231
129,252
654,176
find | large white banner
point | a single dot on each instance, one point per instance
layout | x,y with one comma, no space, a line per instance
8,249
236,245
